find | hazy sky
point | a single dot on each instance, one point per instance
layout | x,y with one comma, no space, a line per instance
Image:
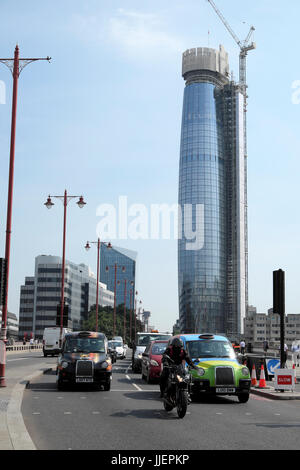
103,120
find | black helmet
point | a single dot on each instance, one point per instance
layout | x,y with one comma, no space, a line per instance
177,343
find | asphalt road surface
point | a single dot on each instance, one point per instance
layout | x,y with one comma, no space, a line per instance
131,417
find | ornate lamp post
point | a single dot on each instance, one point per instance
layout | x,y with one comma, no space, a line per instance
49,204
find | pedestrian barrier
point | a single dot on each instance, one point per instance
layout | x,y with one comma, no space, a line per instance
26,347
262,379
253,376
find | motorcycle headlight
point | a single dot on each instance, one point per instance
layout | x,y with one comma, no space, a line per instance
245,371
64,364
140,356
200,371
154,363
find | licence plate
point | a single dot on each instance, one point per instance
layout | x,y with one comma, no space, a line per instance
225,390
84,379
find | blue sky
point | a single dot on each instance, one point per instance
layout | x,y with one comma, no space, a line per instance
103,120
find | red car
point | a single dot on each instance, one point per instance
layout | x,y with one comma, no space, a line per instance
151,360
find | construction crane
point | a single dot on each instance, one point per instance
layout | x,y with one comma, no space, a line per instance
244,46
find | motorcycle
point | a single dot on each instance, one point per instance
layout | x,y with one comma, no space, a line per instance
177,394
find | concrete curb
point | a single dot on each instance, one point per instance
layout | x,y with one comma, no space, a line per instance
18,434
272,395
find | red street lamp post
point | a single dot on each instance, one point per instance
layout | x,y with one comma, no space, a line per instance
16,65
130,314
87,247
49,204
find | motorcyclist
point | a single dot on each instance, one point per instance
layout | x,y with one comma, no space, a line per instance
178,355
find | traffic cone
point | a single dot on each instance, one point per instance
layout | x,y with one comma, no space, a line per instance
253,376
262,379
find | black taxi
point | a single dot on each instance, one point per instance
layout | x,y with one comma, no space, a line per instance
84,359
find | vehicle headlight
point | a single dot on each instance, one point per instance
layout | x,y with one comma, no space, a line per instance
104,365
154,363
245,371
64,364
140,356
200,371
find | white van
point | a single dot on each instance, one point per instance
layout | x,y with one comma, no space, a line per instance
51,340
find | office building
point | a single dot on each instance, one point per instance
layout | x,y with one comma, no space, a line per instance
41,294
212,275
116,266
261,326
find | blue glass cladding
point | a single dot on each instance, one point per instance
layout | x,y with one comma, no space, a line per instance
108,259
202,273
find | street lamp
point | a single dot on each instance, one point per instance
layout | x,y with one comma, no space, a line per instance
49,204
88,247
15,65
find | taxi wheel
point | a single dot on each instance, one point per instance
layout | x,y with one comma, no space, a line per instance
243,397
107,386
60,385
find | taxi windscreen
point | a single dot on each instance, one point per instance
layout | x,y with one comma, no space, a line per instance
201,349
86,345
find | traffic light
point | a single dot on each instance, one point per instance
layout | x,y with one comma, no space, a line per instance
278,292
3,277
65,315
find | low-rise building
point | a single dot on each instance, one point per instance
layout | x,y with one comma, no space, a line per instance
259,327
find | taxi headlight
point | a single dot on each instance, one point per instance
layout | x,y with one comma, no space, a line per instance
64,364
245,371
104,365
200,371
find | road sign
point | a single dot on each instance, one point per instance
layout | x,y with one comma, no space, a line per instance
272,365
285,379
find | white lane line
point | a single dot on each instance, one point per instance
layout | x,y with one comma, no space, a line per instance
19,359
137,387
67,412
36,413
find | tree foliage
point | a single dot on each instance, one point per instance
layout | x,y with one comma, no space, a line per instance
106,322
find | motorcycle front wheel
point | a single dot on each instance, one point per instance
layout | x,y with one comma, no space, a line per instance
182,403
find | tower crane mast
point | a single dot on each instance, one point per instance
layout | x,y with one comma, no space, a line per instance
244,46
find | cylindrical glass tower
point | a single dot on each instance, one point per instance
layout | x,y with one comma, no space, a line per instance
202,193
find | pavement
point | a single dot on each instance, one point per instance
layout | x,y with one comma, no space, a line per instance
13,433
270,392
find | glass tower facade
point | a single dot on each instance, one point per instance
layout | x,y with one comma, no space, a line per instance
209,197
116,266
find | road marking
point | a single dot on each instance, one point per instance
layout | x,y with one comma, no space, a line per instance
95,412
19,359
137,387
67,412
36,413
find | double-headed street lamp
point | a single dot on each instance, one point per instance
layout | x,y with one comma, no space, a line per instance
49,204
87,247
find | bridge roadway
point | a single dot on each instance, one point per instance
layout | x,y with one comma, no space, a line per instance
131,417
